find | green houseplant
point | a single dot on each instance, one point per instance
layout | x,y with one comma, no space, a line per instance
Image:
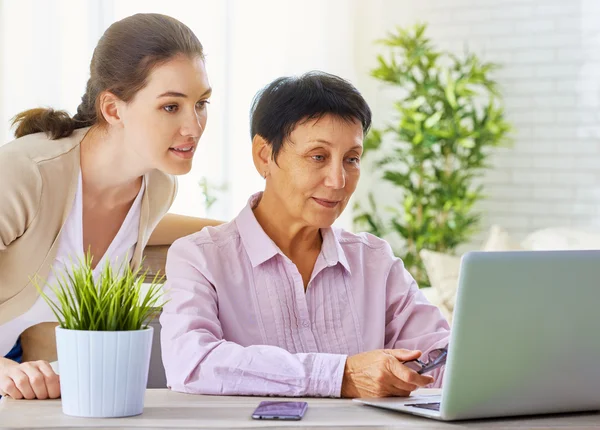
447,120
103,340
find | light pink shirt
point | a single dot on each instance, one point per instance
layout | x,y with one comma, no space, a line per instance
238,320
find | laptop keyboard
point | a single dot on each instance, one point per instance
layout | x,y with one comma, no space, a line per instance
430,406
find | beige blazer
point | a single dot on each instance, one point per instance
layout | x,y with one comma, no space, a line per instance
38,182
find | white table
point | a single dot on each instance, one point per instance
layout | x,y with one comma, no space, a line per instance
167,410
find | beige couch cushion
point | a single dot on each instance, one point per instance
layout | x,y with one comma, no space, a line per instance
562,239
499,240
442,270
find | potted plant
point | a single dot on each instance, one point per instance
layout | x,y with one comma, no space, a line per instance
103,340
448,120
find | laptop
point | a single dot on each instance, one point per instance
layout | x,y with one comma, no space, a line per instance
525,338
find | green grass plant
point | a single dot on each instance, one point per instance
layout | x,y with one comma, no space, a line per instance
116,301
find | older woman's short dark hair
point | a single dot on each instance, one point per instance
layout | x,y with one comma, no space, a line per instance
279,107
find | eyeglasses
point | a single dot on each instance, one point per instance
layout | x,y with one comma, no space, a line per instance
435,359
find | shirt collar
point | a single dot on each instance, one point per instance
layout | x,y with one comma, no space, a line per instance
258,244
332,250
260,247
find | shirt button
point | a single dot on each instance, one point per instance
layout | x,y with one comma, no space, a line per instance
305,324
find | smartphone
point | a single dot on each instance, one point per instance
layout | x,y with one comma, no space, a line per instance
280,411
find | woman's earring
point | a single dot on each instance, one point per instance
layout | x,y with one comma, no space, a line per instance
265,175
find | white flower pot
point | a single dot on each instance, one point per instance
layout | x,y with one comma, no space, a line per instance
103,373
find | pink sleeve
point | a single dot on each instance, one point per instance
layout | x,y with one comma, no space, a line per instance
198,360
411,321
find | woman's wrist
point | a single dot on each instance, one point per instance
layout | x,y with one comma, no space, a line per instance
348,389
7,362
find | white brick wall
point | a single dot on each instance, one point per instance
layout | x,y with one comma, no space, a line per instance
550,52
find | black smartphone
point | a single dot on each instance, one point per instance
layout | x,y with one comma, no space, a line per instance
280,411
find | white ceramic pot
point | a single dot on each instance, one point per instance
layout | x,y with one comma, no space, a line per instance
103,373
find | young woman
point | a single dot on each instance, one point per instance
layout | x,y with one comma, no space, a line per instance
101,181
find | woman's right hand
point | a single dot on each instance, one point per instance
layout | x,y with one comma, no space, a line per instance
380,373
29,380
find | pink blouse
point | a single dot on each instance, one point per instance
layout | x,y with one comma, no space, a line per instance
238,320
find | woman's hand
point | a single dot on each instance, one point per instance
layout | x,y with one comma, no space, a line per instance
30,380
380,373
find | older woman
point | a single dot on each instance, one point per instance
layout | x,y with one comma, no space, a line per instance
279,302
